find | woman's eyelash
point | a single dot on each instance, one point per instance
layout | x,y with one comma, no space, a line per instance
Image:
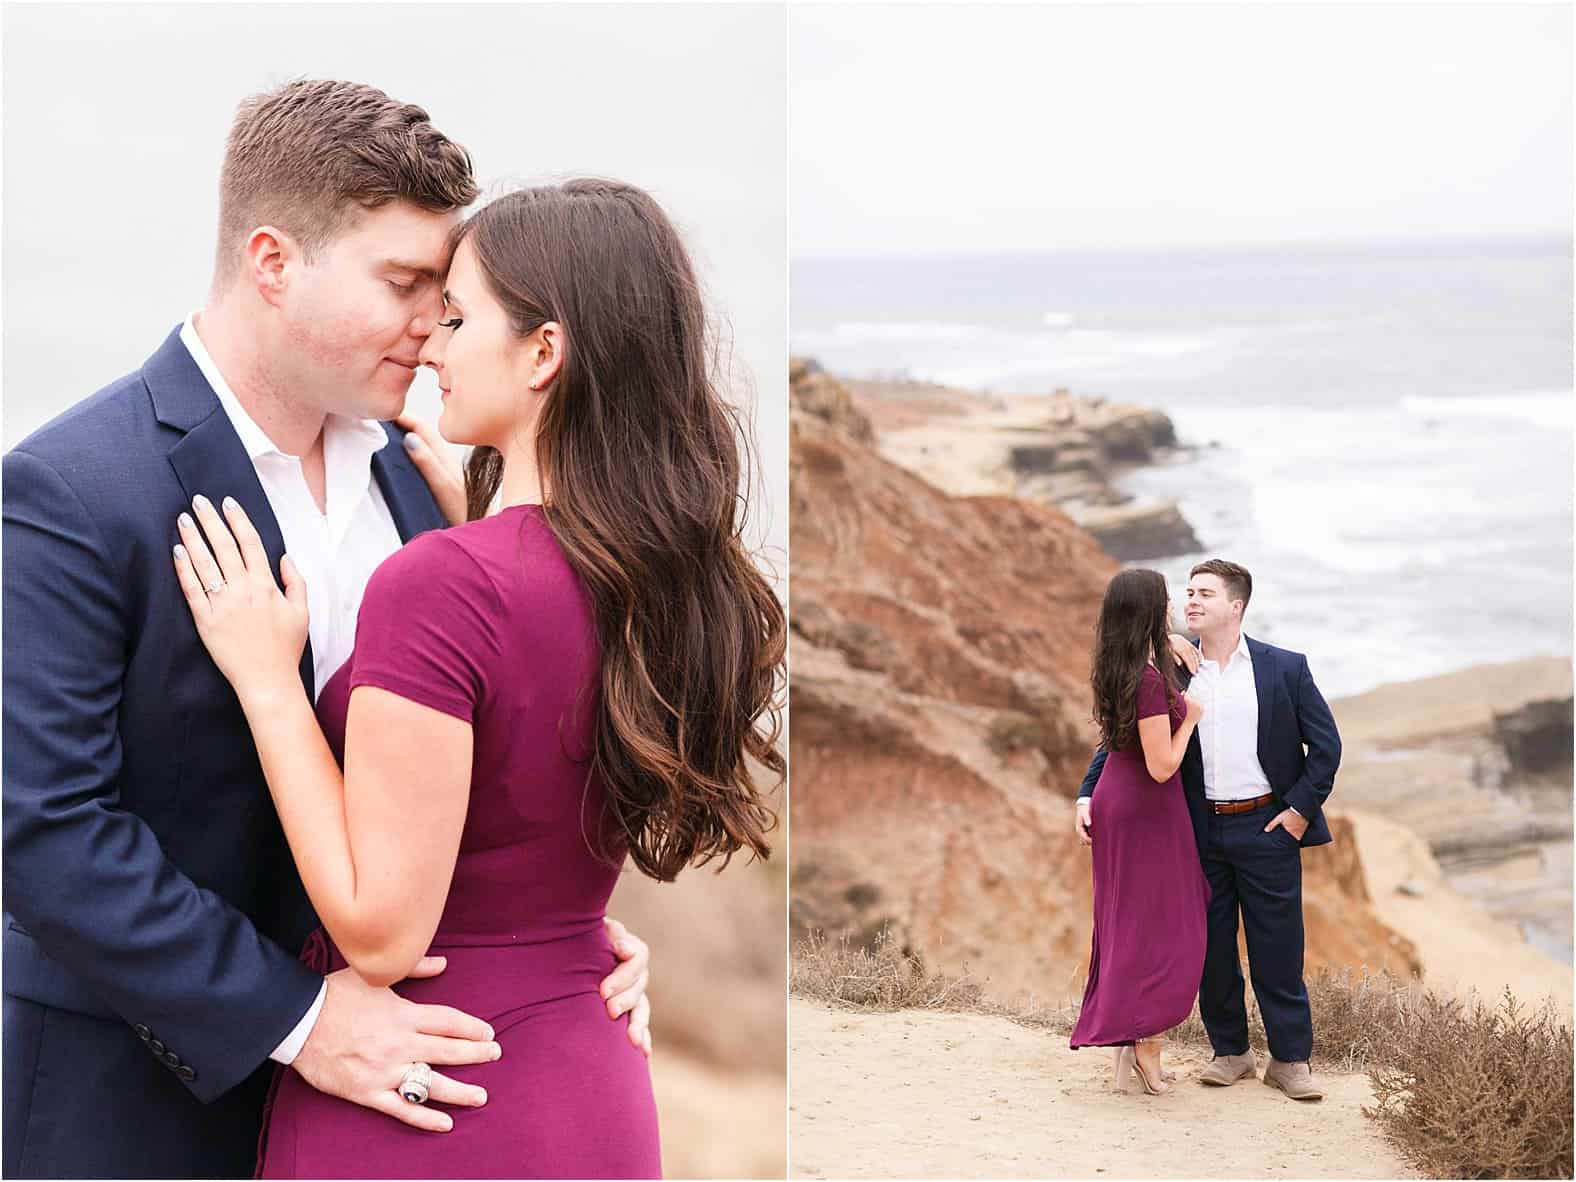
405,287
454,323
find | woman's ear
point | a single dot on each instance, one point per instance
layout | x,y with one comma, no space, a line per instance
547,355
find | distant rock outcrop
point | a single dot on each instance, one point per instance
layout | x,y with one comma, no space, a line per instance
1537,737
1057,448
940,719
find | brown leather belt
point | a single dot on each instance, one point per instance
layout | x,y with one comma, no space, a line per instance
1229,807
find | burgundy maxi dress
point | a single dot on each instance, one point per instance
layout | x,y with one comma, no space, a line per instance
489,623
1150,894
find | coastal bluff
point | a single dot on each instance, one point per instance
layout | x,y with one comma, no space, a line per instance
1058,448
940,647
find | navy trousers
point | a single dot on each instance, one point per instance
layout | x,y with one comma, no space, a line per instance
1260,875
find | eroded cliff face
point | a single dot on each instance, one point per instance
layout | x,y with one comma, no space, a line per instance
940,720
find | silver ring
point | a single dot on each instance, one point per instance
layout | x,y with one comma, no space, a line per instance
417,1083
215,587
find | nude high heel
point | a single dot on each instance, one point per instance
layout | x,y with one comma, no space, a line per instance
1121,1068
1158,1085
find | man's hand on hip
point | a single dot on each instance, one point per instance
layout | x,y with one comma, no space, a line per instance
367,1036
1290,820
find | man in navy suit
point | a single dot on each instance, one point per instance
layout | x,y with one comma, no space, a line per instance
1256,774
153,914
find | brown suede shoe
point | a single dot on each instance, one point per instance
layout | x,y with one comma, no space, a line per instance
1225,1070
1295,1079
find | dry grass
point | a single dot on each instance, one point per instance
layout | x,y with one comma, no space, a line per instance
1478,1090
881,977
1467,1089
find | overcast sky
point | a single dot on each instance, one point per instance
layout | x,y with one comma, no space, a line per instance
115,118
973,129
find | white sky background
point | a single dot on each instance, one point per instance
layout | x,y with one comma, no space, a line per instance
934,130
115,118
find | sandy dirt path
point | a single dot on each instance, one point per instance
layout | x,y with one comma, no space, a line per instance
922,1095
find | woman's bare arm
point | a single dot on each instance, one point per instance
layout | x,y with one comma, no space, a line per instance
376,847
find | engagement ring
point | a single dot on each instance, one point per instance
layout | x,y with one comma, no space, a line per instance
416,1084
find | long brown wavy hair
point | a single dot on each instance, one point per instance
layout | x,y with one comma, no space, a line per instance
640,457
1133,630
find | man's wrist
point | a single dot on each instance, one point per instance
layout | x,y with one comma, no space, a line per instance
287,1050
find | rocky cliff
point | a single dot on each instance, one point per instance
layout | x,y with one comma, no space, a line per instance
1057,448
940,719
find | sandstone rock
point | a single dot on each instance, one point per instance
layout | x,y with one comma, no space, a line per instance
1537,737
817,393
1057,449
1140,530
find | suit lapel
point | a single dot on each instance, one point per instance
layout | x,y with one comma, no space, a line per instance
209,458
1264,674
404,489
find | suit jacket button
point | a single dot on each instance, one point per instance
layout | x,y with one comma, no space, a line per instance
143,1032
156,1047
186,1073
171,1059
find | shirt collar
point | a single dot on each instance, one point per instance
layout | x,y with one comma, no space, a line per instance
355,439
1240,651
253,439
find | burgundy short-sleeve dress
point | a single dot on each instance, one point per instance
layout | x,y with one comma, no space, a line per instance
489,623
1150,894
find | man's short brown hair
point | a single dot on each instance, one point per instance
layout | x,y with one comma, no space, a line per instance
1239,583
306,156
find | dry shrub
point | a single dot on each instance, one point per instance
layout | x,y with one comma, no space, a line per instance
878,977
1480,1091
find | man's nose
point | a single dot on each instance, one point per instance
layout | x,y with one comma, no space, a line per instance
427,316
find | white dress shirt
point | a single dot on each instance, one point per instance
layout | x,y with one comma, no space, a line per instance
336,551
1228,734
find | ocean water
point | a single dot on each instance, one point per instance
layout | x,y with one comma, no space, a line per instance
1382,434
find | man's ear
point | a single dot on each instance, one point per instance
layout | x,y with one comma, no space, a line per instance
266,259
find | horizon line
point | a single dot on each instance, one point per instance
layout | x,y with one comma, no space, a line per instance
1507,238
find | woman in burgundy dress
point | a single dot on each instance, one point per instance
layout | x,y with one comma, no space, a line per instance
577,677
1150,894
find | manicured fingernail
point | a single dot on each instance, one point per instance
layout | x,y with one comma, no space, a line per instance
497,1051
180,550
186,520
490,1034
446,1124
483,1098
229,503
412,441
202,502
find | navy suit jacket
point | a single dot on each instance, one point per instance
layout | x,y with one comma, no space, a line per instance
1299,747
147,881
